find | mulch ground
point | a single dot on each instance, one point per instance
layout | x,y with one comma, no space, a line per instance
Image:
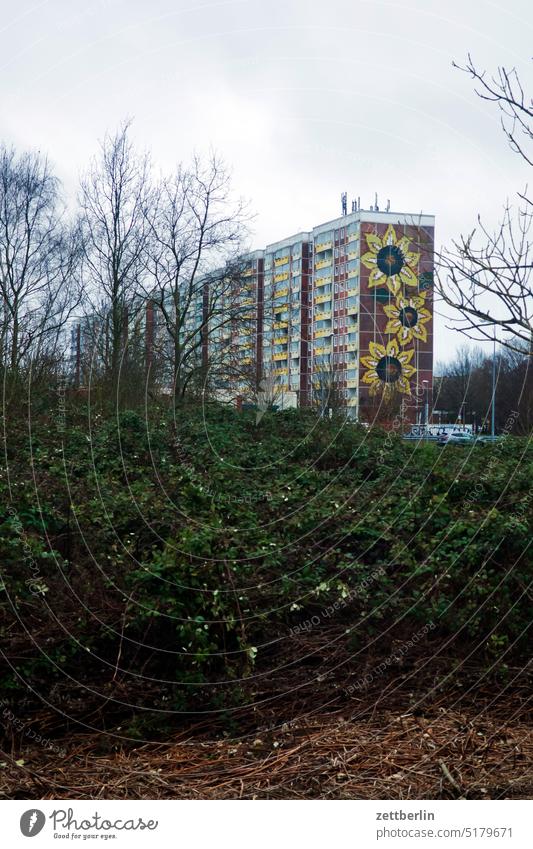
439,753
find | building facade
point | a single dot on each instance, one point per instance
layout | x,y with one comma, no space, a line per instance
344,315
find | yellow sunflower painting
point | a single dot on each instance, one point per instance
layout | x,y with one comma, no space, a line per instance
407,318
390,261
388,368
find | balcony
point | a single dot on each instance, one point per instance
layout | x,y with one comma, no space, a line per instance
323,246
280,325
279,277
322,281
353,346
352,384
321,299
322,334
281,293
323,263
283,260
320,316
279,357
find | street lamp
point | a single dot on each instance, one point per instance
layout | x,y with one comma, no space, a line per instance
426,402
493,400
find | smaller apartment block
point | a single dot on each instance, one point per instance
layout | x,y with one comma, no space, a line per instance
344,314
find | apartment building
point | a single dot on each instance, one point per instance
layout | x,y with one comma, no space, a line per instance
284,353
344,314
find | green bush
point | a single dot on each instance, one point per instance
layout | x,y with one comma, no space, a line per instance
182,546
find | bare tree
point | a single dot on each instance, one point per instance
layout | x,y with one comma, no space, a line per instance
39,258
195,279
266,394
487,275
114,199
464,389
458,387
327,394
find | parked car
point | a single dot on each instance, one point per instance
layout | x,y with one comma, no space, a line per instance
458,437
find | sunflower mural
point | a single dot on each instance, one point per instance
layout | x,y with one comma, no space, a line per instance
388,368
407,318
390,261
394,270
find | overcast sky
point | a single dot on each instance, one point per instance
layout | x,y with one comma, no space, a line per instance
303,98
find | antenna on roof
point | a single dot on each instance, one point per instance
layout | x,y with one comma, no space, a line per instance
354,206
344,203
388,205
376,207
359,203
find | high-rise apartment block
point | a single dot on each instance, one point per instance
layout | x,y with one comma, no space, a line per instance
344,314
